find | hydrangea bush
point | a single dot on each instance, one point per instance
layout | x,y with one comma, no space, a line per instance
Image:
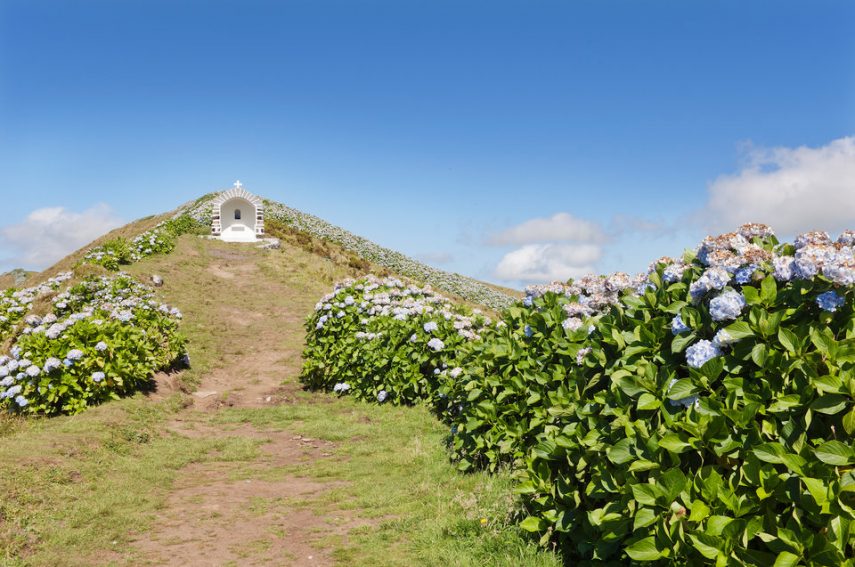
159,240
707,418
384,340
701,413
102,338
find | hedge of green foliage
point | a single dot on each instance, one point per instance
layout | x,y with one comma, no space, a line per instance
103,338
118,252
702,414
387,341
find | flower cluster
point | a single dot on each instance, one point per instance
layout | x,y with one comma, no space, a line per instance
14,304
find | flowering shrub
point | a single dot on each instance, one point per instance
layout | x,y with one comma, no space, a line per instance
386,341
707,418
699,414
159,240
103,338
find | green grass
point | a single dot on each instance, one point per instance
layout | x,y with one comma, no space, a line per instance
77,489
390,469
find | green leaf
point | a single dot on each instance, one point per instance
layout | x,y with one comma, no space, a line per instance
739,330
786,559
643,518
818,490
706,545
758,354
788,339
770,452
645,494
849,422
829,383
533,524
700,511
644,550
835,453
620,452
672,442
682,388
830,404
672,483
768,290
648,401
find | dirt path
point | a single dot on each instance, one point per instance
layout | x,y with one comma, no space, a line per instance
227,513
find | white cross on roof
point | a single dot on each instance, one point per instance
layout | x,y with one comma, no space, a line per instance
238,184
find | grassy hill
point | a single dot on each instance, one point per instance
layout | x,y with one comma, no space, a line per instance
14,278
231,458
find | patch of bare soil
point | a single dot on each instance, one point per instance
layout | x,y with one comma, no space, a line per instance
237,514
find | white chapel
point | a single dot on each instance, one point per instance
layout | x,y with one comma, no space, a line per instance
237,216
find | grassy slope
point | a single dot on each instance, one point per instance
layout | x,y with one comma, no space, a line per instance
66,480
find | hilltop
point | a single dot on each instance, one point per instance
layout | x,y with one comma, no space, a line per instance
14,278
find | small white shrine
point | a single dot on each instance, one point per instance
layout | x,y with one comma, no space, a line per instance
237,216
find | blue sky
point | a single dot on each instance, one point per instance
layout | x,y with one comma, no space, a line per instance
443,129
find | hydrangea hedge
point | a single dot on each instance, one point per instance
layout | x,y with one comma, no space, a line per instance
102,338
387,341
159,240
700,414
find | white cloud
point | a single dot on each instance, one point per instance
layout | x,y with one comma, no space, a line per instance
562,227
548,262
49,234
790,189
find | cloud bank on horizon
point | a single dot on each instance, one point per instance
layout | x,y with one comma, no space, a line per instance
791,189
49,234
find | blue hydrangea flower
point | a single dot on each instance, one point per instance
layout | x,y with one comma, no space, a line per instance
528,331
436,344
33,371
382,395
101,346
804,269
430,326
528,301
74,354
21,401
783,268
727,306
829,301
743,274
572,323
699,353
713,278
97,376
678,326
673,273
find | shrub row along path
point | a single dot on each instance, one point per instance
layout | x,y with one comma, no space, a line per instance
244,312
